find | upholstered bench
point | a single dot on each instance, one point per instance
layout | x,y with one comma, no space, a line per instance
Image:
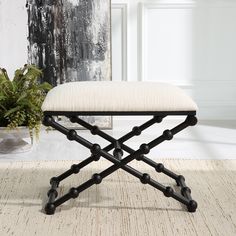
154,99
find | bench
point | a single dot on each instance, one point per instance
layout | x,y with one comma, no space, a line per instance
102,98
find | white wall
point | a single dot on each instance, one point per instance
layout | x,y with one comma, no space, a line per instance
191,44
188,43
13,34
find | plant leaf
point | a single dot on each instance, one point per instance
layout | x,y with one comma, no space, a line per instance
24,95
9,112
45,86
3,107
2,97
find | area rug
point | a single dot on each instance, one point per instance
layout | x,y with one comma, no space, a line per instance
121,205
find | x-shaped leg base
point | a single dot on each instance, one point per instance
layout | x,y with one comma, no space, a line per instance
118,162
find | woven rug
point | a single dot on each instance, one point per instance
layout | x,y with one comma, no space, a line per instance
121,205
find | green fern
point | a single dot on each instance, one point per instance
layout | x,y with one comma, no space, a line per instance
21,99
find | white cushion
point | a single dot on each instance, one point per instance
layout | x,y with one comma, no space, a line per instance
105,96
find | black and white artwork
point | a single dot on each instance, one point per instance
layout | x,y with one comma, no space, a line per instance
71,41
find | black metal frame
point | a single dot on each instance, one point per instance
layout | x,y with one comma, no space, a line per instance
118,162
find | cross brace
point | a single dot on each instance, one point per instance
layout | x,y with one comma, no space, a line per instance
118,162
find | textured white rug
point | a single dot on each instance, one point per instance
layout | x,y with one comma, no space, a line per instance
121,205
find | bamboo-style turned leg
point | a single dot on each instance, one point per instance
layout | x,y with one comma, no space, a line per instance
119,162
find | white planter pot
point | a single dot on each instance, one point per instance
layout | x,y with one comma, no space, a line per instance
15,141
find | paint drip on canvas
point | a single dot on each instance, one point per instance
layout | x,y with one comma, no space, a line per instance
70,39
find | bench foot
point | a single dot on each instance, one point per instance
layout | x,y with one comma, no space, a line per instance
118,161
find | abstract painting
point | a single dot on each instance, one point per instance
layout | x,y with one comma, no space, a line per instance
71,41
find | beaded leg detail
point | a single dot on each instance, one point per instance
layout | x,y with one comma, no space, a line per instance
119,162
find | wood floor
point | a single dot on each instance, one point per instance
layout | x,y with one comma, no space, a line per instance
120,205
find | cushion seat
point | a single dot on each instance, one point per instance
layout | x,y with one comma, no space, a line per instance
112,96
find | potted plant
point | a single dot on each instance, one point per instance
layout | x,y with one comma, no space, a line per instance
20,107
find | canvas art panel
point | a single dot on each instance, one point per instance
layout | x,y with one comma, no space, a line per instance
71,41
